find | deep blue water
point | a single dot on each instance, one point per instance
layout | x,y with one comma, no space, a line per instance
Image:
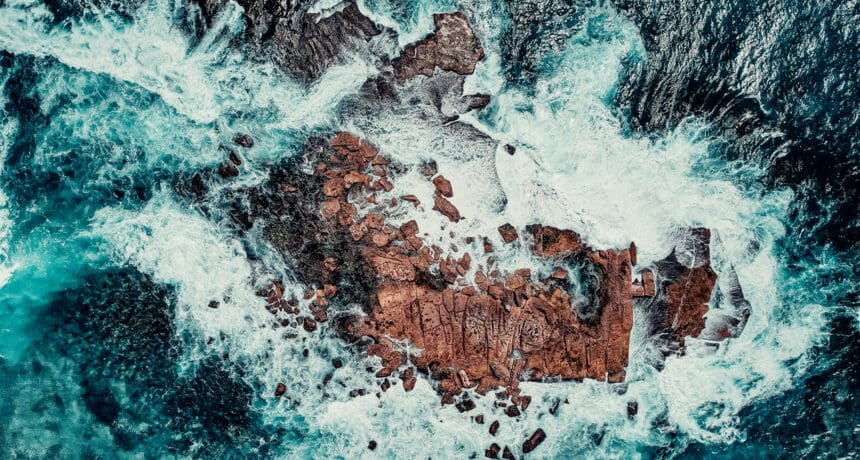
739,116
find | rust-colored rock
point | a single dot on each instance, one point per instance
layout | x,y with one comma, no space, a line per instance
443,186
685,283
453,47
508,232
446,209
503,327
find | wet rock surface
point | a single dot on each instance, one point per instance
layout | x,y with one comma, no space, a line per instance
453,47
304,44
330,213
476,327
684,283
479,331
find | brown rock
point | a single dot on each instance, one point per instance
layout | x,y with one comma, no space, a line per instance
492,451
408,379
494,427
443,186
551,242
508,232
334,187
330,264
453,47
330,209
412,199
446,209
686,285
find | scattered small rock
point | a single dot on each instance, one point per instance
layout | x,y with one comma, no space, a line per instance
535,440
465,405
280,389
447,209
443,186
213,304
632,409
508,232
510,149
429,168
371,445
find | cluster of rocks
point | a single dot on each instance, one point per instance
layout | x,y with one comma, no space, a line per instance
477,327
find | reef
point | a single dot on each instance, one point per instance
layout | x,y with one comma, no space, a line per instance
445,308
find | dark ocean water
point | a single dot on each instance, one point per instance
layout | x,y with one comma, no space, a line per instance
741,116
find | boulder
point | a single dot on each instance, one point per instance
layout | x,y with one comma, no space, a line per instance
534,440
452,47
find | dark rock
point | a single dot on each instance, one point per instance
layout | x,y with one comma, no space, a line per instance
535,440
507,454
228,170
371,445
213,304
512,411
478,101
494,427
632,409
245,141
429,168
492,451
280,390
303,44
337,363
465,405
479,419
510,149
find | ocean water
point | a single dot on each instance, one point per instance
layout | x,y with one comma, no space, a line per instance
109,350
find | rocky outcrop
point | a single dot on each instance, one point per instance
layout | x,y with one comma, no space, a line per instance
452,47
469,324
684,281
304,44
484,330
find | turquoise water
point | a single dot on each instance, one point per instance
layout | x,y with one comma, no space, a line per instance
108,348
